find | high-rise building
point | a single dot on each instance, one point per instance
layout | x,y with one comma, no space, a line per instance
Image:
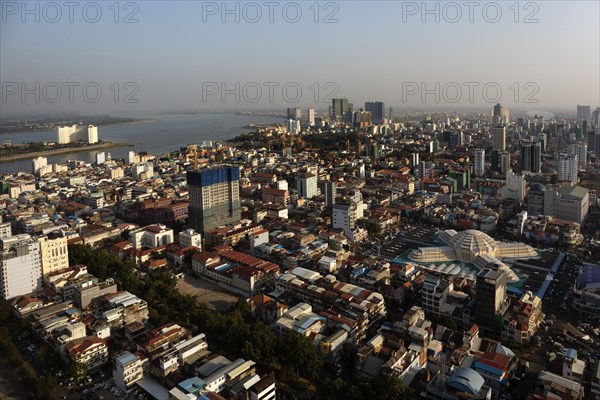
500,115
504,161
341,109
131,158
462,177
214,198
582,132
20,266
362,118
374,151
490,299
292,126
76,133
100,158
377,109
346,212
54,252
499,138
294,113
67,134
583,113
414,160
531,157
455,139
580,150
311,117
92,134
495,158
39,163
568,166
539,200
330,192
593,142
344,216
479,164
596,117
306,185
515,186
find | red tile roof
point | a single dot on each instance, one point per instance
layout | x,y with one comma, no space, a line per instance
78,347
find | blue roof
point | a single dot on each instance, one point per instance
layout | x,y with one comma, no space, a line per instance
311,320
192,385
466,380
213,176
488,368
127,358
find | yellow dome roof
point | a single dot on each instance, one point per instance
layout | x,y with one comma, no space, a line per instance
471,243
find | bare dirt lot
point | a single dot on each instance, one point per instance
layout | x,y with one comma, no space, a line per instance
207,292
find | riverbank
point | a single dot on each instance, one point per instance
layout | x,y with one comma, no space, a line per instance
46,153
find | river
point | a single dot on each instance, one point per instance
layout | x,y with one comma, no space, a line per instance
166,132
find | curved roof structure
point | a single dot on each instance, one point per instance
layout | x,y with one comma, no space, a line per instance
474,247
471,243
538,187
466,380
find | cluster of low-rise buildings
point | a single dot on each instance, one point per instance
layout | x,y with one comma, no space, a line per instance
318,242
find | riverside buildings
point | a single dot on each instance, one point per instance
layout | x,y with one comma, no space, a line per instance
77,133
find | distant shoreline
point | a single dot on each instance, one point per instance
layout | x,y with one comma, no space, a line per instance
139,121
134,122
20,157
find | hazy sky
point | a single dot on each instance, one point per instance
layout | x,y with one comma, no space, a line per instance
181,55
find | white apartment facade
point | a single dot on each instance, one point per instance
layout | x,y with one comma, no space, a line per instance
190,237
75,133
306,184
568,166
129,368
479,164
20,266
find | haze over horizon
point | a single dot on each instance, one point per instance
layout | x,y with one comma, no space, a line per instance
183,57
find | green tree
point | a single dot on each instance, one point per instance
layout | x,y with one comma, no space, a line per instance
45,388
304,356
75,370
390,388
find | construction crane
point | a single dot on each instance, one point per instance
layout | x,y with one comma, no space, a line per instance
193,151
